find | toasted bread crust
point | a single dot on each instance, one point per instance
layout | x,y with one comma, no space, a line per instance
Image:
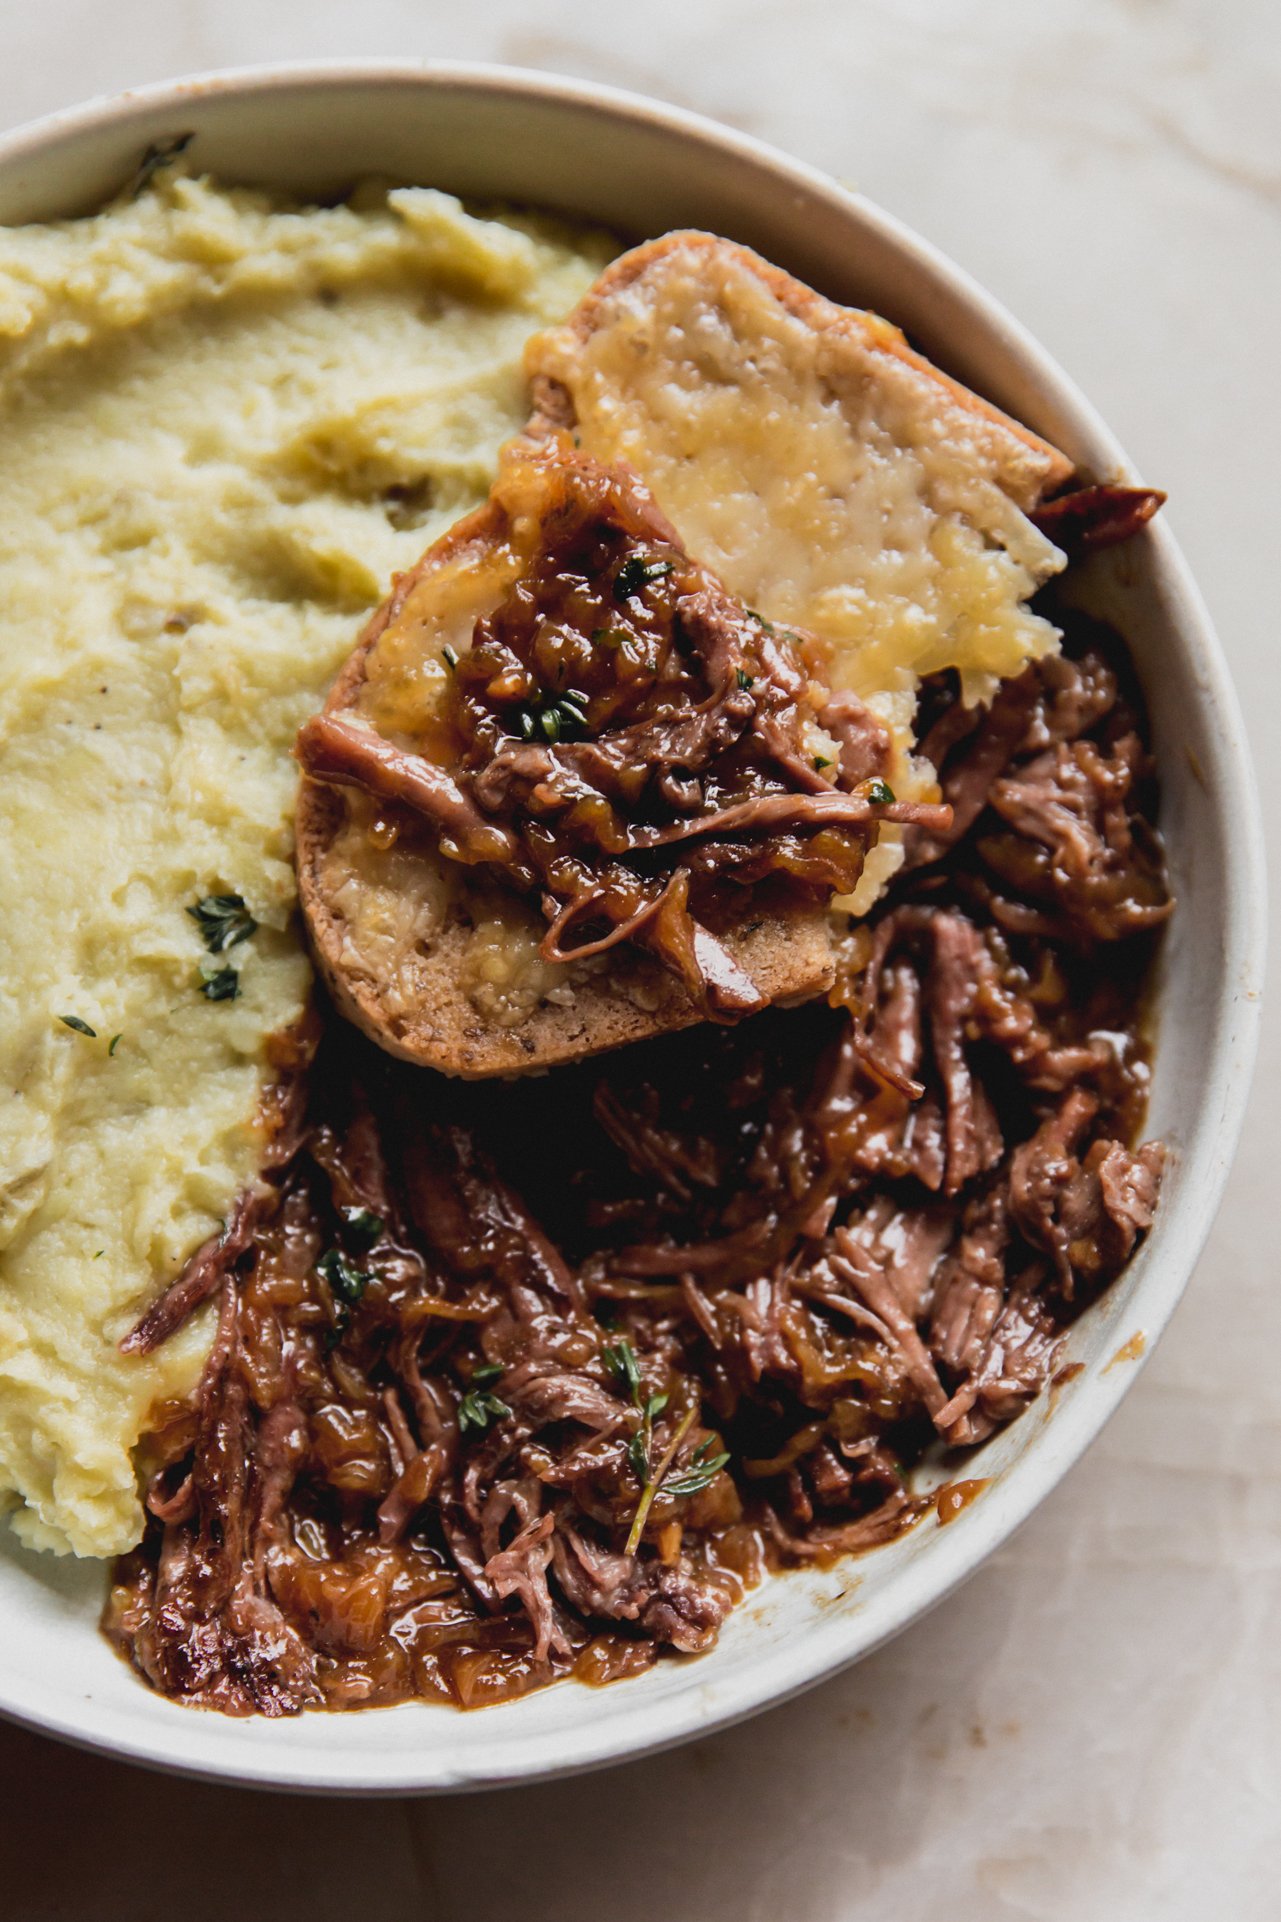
1042,471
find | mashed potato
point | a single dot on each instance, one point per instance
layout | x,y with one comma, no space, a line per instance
224,426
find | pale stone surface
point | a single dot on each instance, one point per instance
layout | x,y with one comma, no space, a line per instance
1090,1730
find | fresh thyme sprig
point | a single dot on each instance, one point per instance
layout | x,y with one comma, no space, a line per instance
655,1481
702,1467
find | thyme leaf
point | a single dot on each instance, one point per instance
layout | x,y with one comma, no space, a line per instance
878,792
219,984
565,715
638,1456
347,1283
478,1407
223,920
637,572
81,1027
620,1359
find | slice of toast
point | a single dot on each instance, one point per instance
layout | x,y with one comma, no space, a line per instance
436,963
827,473
835,480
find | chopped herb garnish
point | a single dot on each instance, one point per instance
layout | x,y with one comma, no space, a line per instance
488,1371
449,657
745,680
81,1027
820,762
101,1252
610,636
879,793
223,920
635,573
219,984
363,1226
346,1282
478,1407
760,620
116,1039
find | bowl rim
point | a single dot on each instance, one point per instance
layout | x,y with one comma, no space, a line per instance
171,1741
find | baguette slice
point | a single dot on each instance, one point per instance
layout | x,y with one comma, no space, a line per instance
439,965
827,473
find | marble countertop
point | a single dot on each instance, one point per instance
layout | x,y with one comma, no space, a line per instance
1090,1729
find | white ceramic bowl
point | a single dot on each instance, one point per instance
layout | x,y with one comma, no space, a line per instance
640,168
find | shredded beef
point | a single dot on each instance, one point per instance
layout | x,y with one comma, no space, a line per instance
512,1383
